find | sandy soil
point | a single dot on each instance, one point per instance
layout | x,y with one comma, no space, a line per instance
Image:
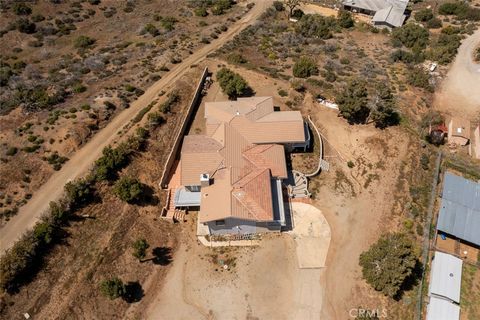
264,282
83,159
310,8
460,91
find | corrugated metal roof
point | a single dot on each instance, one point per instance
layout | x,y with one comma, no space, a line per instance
460,209
391,15
446,277
376,5
440,309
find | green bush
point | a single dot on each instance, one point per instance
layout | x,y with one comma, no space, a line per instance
434,23
384,108
304,68
316,26
232,83
424,15
110,162
24,25
12,151
282,93
21,9
113,288
419,78
140,247
461,10
278,5
352,102
236,58
79,192
444,49
83,42
172,99
411,36
151,29
128,189
201,12
345,19
388,263
155,119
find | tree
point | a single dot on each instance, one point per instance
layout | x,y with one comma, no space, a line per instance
345,19
304,68
278,5
352,102
383,111
155,119
108,164
140,249
232,83
128,189
388,263
292,5
419,78
113,288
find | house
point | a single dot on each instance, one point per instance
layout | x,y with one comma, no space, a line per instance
460,209
444,287
233,173
459,131
385,13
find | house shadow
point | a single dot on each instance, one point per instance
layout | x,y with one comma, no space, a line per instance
133,292
162,255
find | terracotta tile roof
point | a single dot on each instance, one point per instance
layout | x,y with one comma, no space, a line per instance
270,156
252,197
241,170
200,154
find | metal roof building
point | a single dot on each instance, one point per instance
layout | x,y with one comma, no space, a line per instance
390,13
440,309
460,209
444,287
445,277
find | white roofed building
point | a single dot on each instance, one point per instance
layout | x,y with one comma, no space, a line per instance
386,13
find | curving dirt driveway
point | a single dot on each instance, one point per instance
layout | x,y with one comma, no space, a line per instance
459,93
84,158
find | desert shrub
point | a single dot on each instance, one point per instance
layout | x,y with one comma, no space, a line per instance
24,25
79,88
236,58
282,93
411,36
151,29
140,247
168,23
477,54
352,102
201,12
21,9
155,119
424,15
83,42
444,49
172,99
316,26
110,162
221,6
232,83
419,78
434,23
278,5
79,192
113,288
38,18
128,189
461,10
56,160
345,19
389,263
11,151
304,68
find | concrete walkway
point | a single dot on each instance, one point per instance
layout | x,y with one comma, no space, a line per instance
311,234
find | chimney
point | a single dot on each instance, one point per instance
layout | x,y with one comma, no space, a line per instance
204,180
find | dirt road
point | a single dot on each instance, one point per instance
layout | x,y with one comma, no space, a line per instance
459,93
84,158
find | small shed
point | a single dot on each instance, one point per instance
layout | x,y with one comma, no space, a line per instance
459,131
440,309
445,277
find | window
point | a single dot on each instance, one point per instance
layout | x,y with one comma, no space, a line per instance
220,222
